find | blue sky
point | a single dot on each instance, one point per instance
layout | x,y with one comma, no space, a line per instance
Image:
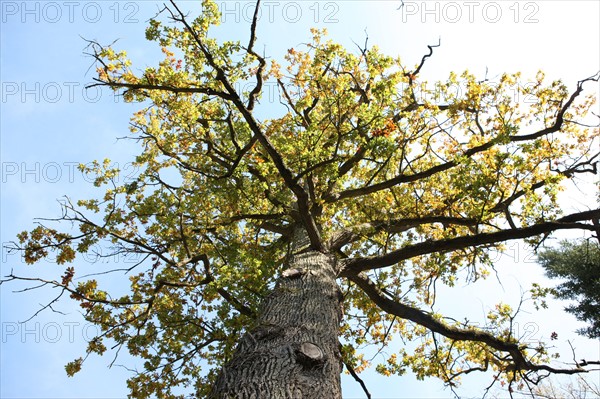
49,124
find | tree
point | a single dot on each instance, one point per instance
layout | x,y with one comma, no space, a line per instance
579,264
275,247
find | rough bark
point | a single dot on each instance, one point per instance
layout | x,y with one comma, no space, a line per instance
292,351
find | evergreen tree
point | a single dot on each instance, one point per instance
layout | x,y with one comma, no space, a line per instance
578,264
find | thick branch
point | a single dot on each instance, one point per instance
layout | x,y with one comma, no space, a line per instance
277,159
560,117
400,179
346,236
172,89
458,334
286,174
356,265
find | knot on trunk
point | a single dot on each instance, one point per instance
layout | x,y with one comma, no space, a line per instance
293,273
309,356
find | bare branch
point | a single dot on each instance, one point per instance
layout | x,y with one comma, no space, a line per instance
430,47
357,379
261,61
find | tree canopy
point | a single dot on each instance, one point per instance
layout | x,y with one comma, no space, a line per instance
409,187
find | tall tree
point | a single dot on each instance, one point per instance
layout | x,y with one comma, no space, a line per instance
578,263
273,249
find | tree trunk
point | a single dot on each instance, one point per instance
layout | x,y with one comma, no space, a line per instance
292,351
